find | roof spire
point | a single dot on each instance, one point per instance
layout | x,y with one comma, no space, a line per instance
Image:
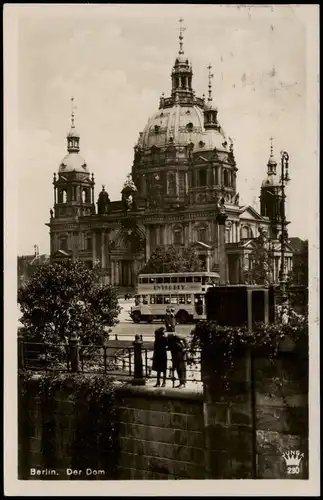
181,31
271,146
210,82
72,113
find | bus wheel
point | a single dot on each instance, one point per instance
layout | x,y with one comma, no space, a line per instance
182,317
136,317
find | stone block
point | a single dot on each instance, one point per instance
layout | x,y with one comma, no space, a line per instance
241,470
240,415
219,436
293,420
275,443
221,465
218,412
189,438
270,467
194,423
35,445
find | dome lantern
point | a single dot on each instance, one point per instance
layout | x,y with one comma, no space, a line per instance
73,138
210,113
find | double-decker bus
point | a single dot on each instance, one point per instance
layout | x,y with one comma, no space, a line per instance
185,292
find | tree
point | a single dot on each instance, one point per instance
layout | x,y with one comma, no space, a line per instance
260,270
65,298
169,259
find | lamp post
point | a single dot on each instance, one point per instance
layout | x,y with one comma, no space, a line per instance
284,178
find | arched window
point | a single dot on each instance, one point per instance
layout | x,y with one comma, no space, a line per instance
171,184
177,235
202,177
63,243
246,232
202,234
84,196
88,242
64,196
226,178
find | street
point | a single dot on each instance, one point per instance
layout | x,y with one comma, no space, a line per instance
127,329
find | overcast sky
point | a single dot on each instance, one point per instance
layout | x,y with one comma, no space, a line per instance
116,62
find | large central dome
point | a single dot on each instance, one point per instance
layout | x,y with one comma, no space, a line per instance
178,124
180,119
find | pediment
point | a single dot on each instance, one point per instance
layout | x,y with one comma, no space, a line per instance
249,213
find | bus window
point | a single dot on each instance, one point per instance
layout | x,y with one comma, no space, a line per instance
197,279
152,299
205,280
181,299
152,280
189,279
181,279
188,299
166,280
166,299
145,299
173,299
159,299
173,279
145,280
160,280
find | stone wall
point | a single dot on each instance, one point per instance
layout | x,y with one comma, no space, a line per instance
160,434
262,414
241,431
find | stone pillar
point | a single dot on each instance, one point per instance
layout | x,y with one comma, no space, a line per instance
186,183
221,218
177,183
103,263
117,275
93,248
147,256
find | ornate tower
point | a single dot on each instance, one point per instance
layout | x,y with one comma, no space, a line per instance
73,198
270,195
73,189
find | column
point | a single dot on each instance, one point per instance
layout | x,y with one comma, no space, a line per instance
147,256
55,195
112,272
93,248
117,275
129,273
157,235
213,176
190,232
102,249
177,183
186,183
221,218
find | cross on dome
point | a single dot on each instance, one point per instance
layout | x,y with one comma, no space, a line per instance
210,82
181,31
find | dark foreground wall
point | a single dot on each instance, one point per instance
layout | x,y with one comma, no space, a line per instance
242,432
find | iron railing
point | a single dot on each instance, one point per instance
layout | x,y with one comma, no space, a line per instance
114,359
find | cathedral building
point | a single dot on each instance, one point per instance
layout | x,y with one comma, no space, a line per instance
184,174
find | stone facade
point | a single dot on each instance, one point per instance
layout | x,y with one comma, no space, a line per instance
184,170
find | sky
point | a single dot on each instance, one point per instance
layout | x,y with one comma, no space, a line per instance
116,62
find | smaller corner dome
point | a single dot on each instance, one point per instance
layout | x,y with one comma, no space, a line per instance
73,133
73,162
181,59
212,139
270,181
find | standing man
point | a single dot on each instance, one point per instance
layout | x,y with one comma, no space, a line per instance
177,346
170,321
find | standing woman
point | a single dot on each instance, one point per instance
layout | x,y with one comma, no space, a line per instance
160,355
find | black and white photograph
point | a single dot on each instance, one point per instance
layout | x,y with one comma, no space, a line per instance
161,249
